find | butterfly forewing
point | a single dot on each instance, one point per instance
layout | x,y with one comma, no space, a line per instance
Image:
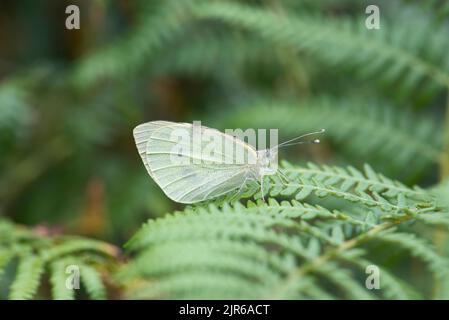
142,134
193,164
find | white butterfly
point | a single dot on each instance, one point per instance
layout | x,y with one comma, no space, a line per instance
189,174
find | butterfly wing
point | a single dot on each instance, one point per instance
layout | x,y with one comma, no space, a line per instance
142,134
189,173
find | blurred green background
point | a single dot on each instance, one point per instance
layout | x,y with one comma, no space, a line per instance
69,99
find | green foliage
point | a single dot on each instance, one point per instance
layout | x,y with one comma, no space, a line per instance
411,61
369,189
413,58
287,249
68,161
28,278
92,280
158,21
438,7
15,116
37,255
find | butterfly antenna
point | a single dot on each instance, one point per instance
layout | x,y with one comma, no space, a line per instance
292,142
315,141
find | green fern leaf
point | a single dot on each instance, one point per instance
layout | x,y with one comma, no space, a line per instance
27,279
58,281
92,281
316,35
284,249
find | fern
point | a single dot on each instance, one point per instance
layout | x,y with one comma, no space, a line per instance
158,23
285,249
391,54
368,189
58,280
412,58
216,54
28,277
292,65
420,249
93,282
40,255
393,287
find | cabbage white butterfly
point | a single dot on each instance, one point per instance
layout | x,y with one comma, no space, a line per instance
191,169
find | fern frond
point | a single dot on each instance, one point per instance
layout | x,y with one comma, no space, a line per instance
58,280
198,285
92,281
206,51
368,189
418,248
282,249
50,255
438,219
245,221
441,191
345,281
27,279
392,286
78,244
158,24
412,58
5,257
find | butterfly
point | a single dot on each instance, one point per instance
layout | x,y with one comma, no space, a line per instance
189,172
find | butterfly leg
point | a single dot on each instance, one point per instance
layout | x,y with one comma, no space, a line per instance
261,188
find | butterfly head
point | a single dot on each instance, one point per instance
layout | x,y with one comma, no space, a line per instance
268,161
268,158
